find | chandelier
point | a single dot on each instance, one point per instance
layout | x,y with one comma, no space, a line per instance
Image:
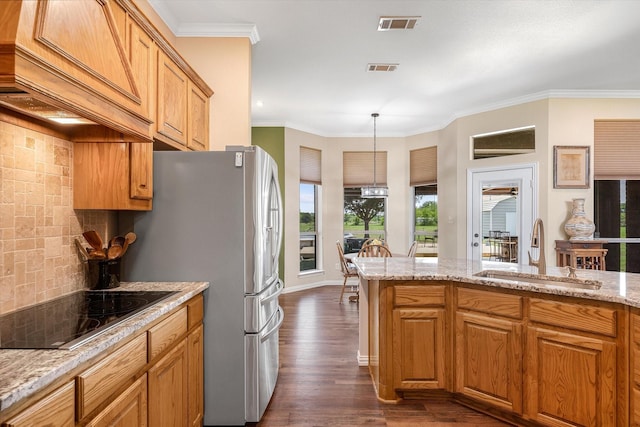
374,191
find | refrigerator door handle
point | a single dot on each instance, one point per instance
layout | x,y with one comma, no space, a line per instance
275,329
280,288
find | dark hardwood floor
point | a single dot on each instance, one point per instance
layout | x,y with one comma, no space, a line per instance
321,384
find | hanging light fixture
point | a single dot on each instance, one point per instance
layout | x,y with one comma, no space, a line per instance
374,191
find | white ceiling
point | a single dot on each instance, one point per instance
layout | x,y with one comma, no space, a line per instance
310,57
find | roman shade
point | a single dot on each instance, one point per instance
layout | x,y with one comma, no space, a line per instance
310,166
423,166
616,149
357,168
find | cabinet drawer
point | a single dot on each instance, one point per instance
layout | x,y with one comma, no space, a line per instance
580,317
490,302
195,310
97,384
56,409
411,296
167,332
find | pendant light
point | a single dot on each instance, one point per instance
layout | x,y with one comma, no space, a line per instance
374,191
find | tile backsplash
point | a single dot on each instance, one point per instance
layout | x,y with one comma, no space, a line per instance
37,222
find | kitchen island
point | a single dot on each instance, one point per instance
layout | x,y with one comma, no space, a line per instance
529,353
87,383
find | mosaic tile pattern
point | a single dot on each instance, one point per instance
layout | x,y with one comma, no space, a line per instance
39,260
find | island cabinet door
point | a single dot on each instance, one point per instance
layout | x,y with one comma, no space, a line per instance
419,348
489,360
635,368
571,379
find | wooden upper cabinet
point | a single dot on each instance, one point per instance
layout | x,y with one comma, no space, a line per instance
171,123
112,176
198,119
142,55
70,56
141,171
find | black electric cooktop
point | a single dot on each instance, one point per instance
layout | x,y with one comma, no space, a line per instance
69,321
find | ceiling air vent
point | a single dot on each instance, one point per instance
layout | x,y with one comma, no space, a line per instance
381,67
387,23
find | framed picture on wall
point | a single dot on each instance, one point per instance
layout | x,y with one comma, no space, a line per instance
570,166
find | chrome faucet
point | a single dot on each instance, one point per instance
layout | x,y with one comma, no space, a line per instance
537,241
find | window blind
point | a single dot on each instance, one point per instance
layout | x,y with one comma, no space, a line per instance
357,168
310,166
423,166
616,149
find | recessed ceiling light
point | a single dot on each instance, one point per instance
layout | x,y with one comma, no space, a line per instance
385,67
387,23
259,104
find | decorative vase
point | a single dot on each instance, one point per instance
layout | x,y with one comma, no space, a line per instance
579,227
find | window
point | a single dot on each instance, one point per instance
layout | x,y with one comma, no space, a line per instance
363,218
504,143
616,191
423,177
310,181
425,224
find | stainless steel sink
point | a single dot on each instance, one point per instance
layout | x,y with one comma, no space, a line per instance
566,282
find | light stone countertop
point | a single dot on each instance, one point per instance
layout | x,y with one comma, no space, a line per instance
24,372
623,288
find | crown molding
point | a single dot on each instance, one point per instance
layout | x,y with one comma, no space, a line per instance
249,31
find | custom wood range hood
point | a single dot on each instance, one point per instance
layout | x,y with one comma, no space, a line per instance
63,60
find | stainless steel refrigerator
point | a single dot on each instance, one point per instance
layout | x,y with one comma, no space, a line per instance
217,217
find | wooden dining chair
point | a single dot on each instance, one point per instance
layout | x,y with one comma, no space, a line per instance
413,249
348,271
374,251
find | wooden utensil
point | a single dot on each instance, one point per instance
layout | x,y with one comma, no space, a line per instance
82,249
131,237
115,251
116,247
93,238
125,246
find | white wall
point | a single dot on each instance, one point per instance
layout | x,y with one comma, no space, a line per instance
557,122
455,151
571,123
397,220
225,64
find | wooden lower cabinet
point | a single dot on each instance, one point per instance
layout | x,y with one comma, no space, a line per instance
195,354
571,379
634,368
155,379
55,410
128,410
489,360
418,348
408,326
529,358
168,389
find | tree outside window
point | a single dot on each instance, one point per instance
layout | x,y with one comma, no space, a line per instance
363,219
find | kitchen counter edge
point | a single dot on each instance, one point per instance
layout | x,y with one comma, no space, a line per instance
617,287
24,372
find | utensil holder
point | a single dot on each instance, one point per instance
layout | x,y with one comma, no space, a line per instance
104,273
